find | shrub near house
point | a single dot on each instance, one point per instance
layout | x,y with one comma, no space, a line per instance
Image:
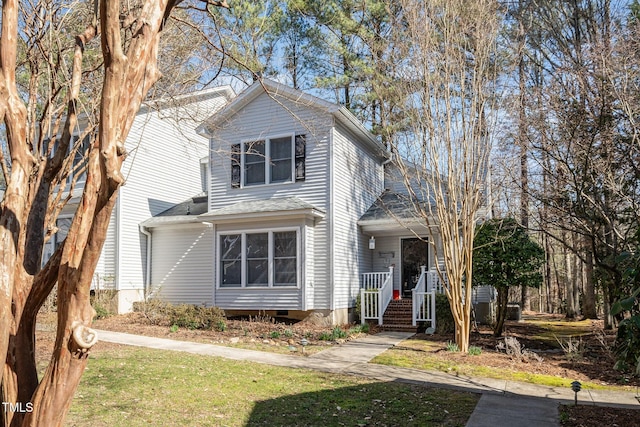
504,255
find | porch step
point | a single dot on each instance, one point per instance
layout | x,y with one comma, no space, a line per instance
398,328
398,316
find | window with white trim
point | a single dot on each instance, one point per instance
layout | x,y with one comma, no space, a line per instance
268,161
260,259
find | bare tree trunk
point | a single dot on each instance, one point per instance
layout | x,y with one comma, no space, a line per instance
524,149
571,309
23,288
606,306
75,314
559,285
14,205
88,230
548,278
576,282
589,308
501,315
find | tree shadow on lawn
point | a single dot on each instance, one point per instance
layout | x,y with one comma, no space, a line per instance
372,404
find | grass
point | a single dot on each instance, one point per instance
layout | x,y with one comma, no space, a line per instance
554,329
136,387
415,354
419,359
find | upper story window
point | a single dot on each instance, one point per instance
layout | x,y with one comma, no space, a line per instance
268,161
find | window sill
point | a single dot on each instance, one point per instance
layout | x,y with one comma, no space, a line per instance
273,184
257,288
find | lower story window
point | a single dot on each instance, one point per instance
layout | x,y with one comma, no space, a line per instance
265,259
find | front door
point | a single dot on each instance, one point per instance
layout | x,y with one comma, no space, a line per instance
415,253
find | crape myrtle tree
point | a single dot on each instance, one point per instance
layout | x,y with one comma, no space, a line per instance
504,256
55,57
447,64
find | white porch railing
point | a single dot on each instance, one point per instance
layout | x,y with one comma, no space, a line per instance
375,294
424,296
434,282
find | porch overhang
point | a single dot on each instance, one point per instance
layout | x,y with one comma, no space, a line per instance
394,213
264,210
393,226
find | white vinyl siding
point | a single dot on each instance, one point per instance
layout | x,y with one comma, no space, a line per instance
161,170
181,264
106,268
388,252
483,294
357,181
260,119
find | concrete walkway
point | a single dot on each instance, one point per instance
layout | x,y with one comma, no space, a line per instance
503,403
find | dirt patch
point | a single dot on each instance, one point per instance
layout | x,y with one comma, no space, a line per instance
595,416
259,333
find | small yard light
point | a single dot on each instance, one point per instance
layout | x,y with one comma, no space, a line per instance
576,387
304,343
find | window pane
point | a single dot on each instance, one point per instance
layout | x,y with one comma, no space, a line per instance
280,148
258,272
254,174
284,258
231,273
254,152
258,245
231,260
258,259
230,246
285,243
280,151
285,272
281,170
254,163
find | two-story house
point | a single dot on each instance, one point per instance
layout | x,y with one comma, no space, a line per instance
161,170
299,214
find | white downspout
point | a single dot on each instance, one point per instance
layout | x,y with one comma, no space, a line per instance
147,279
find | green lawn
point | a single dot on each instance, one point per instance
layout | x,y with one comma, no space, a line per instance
136,387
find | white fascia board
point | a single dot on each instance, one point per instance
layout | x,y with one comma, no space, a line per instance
252,216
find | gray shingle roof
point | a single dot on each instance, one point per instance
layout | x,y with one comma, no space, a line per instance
390,206
196,205
255,208
269,205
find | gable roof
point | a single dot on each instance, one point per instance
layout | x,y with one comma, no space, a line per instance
277,90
